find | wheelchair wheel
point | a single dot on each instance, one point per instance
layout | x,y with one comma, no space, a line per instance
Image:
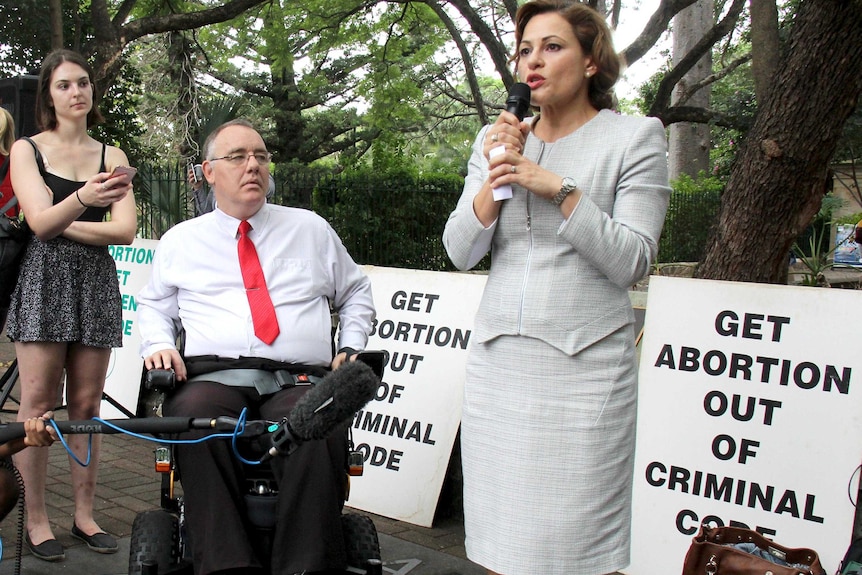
154,541
360,541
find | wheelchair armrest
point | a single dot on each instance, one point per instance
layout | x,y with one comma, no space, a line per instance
374,359
160,380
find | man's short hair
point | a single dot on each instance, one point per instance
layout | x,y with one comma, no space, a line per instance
208,144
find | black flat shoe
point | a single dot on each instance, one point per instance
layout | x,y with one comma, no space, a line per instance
99,542
48,550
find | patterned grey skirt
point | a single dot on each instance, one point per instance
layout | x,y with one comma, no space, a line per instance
547,449
66,292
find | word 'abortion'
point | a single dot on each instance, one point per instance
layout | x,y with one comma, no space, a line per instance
422,333
132,254
717,363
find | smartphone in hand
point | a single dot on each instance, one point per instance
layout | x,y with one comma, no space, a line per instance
196,172
121,170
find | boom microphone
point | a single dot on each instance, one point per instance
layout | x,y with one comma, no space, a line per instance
517,103
327,405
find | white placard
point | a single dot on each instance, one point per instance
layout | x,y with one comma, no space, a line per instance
123,383
424,320
750,412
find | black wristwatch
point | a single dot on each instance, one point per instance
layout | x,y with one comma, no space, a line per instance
567,188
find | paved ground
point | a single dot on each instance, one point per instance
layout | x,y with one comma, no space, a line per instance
128,485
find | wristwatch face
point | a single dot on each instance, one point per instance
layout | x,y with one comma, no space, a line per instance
566,188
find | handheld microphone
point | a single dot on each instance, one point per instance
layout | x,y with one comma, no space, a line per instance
517,103
325,406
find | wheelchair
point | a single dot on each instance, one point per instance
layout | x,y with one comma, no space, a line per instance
159,542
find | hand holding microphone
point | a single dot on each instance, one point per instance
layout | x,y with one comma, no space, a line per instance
517,104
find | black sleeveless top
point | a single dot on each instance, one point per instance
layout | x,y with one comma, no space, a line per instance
64,188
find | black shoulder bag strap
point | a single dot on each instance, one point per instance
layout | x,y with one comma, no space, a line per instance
9,205
40,163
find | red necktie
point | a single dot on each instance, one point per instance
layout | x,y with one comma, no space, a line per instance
262,310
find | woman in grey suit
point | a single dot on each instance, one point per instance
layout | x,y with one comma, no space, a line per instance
548,427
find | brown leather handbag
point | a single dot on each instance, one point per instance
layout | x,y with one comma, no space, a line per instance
737,551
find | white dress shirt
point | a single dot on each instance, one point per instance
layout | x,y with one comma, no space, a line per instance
196,285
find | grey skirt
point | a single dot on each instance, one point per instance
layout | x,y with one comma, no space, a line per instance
548,455
66,292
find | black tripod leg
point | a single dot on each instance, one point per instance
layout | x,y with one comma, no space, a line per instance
7,383
857,518
117,404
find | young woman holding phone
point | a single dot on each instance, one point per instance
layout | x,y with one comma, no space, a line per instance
65,314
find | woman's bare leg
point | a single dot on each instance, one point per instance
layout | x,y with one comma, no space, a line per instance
85,380
40,366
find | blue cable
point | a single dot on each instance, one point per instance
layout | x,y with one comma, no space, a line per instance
238,430
69,449
157,440
240,427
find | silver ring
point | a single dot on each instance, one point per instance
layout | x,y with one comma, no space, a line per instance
102,186
495,137
514,170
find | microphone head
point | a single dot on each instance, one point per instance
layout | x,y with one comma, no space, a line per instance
333,401
518,101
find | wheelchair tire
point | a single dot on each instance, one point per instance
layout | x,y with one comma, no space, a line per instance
154,540
360,540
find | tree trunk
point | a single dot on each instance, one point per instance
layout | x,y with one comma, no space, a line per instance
180,68
55,11
765,45
781,174
688,148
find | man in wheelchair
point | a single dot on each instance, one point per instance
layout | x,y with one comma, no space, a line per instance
254,333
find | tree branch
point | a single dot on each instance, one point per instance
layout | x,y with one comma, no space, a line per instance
469,70
655,27
665,89
675,114
712,78
488,39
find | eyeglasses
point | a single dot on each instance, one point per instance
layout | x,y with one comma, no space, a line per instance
261,158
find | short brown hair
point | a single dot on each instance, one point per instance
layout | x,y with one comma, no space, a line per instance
46,117
593,35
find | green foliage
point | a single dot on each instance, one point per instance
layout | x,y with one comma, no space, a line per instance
392,218
328,77
162,195
814,249
734,97
122,126
693,208
850,145
814,256
848,219
24,26
647,92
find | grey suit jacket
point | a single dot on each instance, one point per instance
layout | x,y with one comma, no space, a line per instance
566,281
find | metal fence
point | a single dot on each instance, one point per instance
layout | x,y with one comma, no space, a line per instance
393,220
